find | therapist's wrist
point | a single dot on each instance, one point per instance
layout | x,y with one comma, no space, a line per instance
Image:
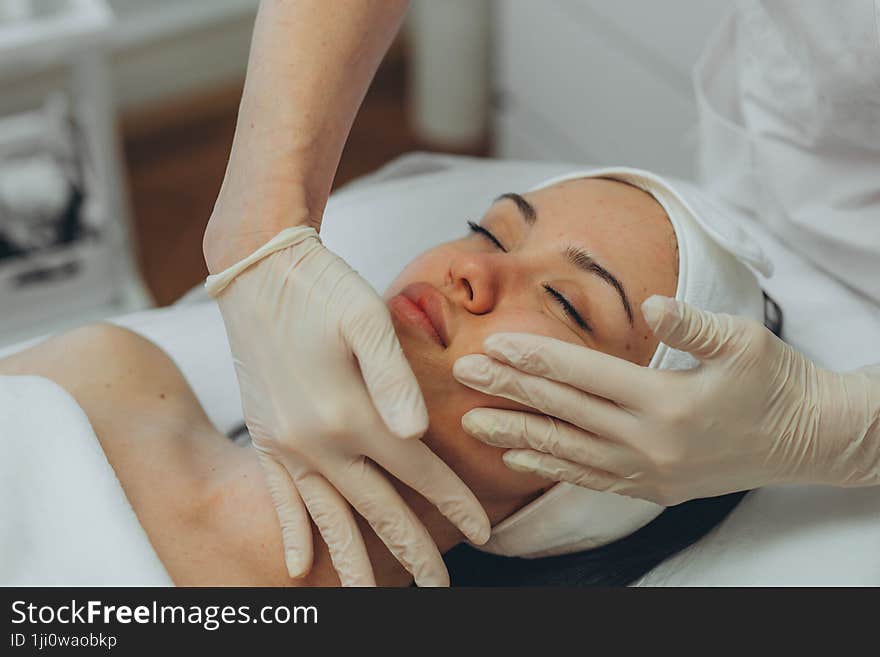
240,225
848,440
869,435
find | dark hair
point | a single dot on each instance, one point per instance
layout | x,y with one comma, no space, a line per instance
616,564
619,563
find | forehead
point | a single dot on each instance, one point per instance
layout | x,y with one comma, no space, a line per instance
597,204
616,222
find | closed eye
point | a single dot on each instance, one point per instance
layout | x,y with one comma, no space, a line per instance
478,229
566,305
569,309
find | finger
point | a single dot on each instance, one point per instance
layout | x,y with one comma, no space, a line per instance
387,374
296,531
336,523
426,473
556,469
372,496
586,369
560,400
684,327
542,433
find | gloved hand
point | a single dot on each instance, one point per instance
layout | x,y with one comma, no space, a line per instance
327,393
755,412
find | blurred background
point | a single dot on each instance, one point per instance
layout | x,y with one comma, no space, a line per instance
116,118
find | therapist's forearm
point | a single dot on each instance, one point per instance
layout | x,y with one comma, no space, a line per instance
310,64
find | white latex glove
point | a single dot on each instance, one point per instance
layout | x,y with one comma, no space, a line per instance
755,412
327,393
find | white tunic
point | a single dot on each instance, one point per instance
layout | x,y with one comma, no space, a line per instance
789,100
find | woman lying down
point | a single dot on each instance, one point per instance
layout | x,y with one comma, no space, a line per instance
572,260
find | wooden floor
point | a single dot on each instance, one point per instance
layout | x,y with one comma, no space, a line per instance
176,156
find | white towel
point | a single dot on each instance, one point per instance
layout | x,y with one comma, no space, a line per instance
64,518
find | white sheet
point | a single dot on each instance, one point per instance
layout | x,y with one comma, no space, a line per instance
65,519
781,536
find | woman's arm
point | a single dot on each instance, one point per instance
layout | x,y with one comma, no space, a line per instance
311,62
200,499
298,318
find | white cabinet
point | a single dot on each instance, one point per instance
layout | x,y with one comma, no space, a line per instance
599,82
48,285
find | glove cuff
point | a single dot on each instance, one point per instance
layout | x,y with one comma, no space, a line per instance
216,283
851,434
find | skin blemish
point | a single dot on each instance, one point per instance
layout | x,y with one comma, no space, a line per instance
161,395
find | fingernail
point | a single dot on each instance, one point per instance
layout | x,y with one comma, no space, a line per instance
436,579
479,533
473,368
501,345
519,461
407,422
656,307
482,426
475,423
295,564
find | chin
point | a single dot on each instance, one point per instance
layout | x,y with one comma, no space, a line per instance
478,465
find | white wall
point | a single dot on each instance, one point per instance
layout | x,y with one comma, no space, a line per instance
182,64
600,82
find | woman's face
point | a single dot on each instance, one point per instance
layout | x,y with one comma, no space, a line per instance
573,261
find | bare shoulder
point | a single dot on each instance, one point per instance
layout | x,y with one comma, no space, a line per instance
113,373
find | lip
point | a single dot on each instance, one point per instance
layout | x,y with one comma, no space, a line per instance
424,305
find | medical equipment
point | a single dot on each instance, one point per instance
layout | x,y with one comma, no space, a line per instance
80,280
792,535
42,195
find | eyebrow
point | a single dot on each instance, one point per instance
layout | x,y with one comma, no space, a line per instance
576,256
526,209
583,260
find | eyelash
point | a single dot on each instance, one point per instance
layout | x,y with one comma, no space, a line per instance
477,228
567,308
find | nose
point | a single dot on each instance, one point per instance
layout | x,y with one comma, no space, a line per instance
476,280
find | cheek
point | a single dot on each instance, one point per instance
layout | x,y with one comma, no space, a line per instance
478,464
470,338
432,266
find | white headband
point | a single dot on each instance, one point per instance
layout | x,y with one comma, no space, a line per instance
713,251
